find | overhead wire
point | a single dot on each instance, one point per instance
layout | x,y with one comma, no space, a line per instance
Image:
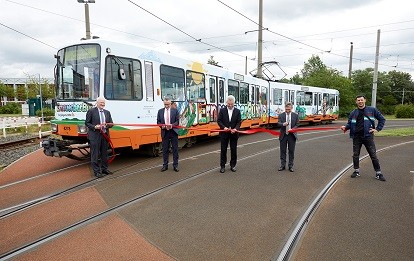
182,31
297,41
80,20
37,40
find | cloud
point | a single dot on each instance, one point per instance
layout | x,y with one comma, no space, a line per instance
298,30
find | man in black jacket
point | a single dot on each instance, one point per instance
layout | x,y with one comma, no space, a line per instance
169,117
229,119
98,120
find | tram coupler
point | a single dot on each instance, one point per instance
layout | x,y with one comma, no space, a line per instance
56,148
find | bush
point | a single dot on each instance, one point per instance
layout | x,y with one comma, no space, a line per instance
11,108
47,112
387,109
404,111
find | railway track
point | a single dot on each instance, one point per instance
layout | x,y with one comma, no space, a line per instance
131,171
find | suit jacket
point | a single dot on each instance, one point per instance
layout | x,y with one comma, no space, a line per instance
294,118
93,119
174,119
223,120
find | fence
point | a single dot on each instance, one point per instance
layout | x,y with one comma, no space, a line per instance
16,122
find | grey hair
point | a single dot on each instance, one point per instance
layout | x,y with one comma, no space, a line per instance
100,98
231,98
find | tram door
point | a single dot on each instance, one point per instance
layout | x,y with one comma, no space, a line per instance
289,96
317,102
216,96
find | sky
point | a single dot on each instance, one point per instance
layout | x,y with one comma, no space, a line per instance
32,31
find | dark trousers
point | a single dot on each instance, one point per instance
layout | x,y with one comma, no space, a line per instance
225,139
287,142
170,136
99,150
369,144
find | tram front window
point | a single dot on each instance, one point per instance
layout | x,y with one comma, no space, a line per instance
77,73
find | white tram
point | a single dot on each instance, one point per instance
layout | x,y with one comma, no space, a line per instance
134,81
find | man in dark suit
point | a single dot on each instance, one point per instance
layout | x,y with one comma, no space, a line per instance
98,120
169,117
229,119
287,120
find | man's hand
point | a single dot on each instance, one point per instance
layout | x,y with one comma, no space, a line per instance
343,128
371,130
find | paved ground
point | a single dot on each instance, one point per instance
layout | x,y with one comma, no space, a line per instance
247,215
366,219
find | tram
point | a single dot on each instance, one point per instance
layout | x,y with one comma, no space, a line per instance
135,79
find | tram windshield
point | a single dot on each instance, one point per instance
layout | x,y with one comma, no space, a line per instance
77,73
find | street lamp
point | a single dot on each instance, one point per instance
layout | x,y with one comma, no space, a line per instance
88,27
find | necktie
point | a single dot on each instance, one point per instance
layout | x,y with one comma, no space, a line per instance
168,117
288,120
102,118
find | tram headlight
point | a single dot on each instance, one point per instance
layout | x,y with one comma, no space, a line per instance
54,127
82,129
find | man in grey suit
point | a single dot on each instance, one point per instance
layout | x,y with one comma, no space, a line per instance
169,117
287,120
98,120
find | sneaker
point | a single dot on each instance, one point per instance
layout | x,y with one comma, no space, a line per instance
355,174
379,176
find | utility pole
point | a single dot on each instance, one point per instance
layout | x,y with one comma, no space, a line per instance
351,52
375,80
88,27
41,99
260,41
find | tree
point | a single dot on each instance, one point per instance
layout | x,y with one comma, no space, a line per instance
316,73
21,93
6,91
33,88
401,83
313,65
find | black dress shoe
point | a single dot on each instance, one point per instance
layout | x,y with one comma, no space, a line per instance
107,172
222,170
99,175
291,169
176,169
233,169
164,168
281,168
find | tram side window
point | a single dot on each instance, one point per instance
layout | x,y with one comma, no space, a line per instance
308,98
123,79
244,93
233,89
325,99
172,82
300,98
331,100
195,85
277,97
212,87
263,96
221,91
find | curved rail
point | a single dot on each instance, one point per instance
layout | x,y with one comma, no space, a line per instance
297,232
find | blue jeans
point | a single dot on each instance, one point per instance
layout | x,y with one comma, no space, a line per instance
369,144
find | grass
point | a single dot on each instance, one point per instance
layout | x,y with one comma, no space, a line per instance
401,132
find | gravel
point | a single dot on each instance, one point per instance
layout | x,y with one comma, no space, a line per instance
11,155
